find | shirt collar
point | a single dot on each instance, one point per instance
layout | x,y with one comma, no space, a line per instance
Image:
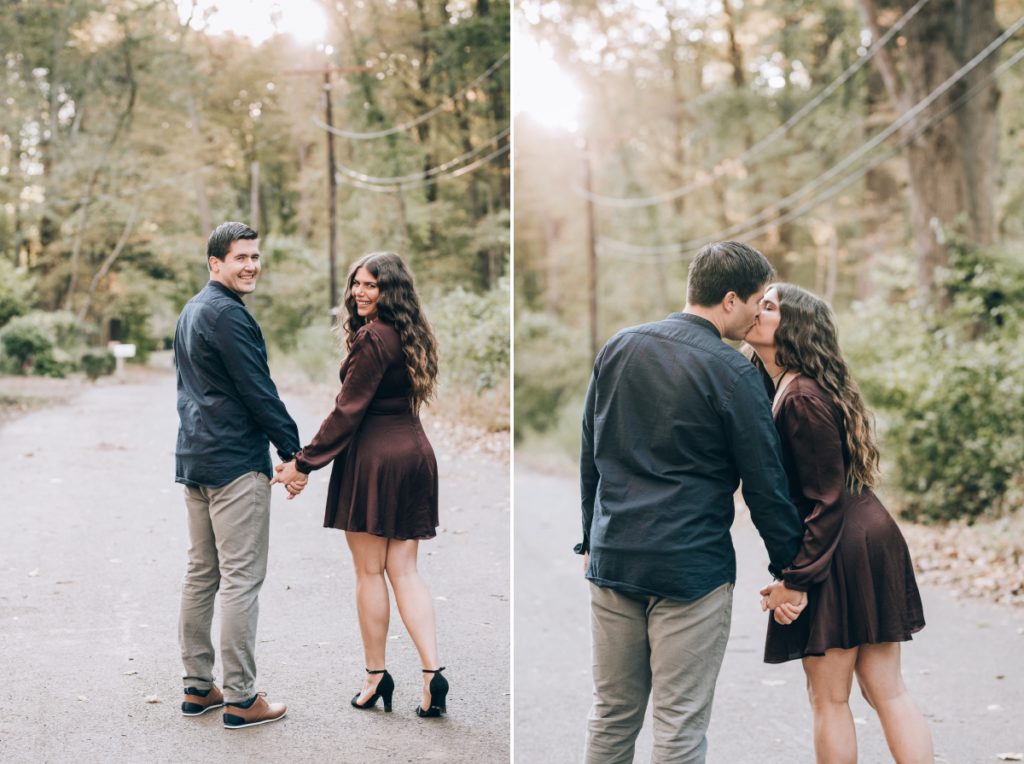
697,321
224,289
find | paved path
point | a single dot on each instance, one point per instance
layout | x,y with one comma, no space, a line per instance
966,669
92,552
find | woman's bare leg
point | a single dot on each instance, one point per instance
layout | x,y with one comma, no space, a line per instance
829,679
906,731
414,605
369,556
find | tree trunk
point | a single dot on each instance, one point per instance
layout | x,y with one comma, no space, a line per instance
951,166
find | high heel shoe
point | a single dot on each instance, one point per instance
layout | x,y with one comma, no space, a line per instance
385,689
438,692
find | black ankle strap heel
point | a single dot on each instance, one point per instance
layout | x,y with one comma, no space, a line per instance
385,689
438,693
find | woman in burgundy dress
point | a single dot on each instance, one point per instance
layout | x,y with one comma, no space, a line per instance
862,597
383,487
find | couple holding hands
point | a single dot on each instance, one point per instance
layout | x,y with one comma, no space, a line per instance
383,484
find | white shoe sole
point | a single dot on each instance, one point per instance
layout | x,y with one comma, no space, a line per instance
254,724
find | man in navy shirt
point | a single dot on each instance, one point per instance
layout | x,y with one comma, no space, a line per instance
674,421
229,411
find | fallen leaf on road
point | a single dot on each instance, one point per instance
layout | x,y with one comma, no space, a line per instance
152,699
83,698
130,673
1010,756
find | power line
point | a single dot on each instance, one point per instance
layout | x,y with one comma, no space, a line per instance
766,213
356,175
716,170
390,189
418,120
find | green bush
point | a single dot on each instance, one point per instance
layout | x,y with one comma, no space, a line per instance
552,368
24,344
472,332
951,390
15,290
98,363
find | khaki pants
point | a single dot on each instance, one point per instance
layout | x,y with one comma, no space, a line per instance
666,649
229,531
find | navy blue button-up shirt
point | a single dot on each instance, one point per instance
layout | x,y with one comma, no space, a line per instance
674,420
228,407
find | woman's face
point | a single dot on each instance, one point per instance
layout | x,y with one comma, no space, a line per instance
366,293
762,334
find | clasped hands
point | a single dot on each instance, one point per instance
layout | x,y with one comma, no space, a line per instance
786,604
289,476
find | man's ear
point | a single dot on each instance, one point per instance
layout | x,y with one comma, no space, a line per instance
210,263
729,301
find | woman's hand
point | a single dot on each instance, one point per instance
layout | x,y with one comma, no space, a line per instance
786,604
290,477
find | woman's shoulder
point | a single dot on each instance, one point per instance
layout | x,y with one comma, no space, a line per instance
804,393
381,334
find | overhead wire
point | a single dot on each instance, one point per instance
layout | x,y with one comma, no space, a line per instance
393,188
766,213
356,175
373,134
717,169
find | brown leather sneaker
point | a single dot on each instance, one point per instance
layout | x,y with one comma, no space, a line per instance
195,704
260,712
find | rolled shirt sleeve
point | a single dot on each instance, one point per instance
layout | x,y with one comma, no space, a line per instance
589,475
240,343
757,453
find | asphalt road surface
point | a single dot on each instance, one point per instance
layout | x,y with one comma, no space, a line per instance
92,553
965,669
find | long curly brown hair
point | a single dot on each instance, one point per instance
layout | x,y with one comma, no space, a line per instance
399,306
806,341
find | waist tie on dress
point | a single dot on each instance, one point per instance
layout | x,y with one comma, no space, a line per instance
389,406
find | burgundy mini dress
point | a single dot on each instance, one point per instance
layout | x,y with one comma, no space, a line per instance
854,563
384,474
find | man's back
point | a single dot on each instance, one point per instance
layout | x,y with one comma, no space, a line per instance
674,419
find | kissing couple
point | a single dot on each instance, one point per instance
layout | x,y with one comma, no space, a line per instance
675,420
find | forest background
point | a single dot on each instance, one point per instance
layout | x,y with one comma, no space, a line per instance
872,149
129,129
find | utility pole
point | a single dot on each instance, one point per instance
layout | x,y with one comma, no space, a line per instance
332,183
591,248
332,197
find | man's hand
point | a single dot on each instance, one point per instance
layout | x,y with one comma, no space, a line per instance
786,605
290,477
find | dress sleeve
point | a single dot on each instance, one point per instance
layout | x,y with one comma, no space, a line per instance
811,428
367,363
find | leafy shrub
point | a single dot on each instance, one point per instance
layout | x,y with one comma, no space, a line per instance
951,389
24,343
15,289
472,332
98,363
552,369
